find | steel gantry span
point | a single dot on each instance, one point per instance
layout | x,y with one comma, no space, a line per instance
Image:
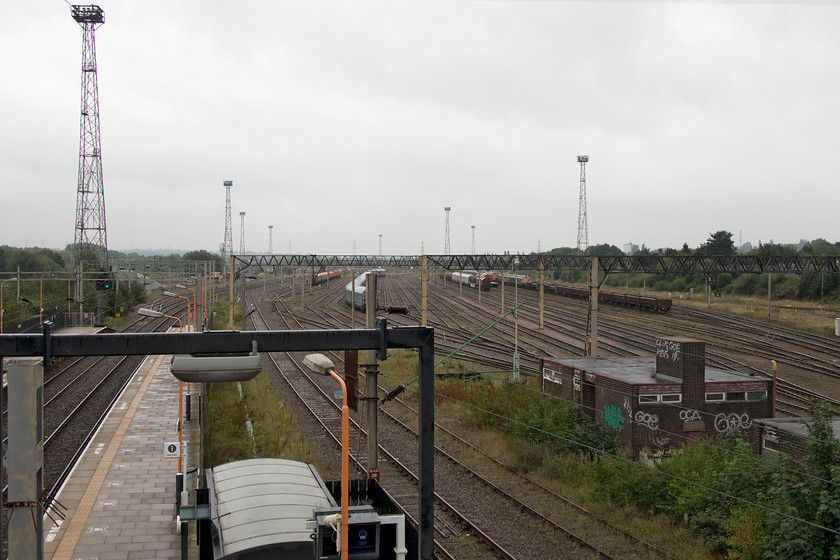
649,264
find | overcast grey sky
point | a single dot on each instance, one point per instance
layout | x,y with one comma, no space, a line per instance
338,121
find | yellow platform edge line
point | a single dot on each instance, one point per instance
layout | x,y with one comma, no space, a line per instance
77,523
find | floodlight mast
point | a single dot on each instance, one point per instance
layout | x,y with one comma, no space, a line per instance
583,228
90,239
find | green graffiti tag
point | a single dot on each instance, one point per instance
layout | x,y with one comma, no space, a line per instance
613,416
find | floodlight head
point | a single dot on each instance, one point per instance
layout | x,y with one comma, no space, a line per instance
583,159
318,363
146,312
87,14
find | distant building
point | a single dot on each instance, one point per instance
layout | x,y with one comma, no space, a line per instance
659,402
630,248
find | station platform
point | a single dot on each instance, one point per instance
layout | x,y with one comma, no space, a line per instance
79,330
120,498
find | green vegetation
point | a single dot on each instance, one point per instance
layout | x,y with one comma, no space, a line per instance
741,505
811,286
275,429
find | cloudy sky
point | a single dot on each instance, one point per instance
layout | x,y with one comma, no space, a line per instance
340,121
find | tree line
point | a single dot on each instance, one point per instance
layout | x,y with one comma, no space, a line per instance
811,286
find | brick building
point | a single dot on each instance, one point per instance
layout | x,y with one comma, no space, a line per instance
659,401
784,435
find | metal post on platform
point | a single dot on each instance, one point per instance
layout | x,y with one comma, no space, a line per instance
371,373
25,458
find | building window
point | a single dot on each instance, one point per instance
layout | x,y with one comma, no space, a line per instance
552,376
771,443
672,398
647,399
736,396
757,396
711,397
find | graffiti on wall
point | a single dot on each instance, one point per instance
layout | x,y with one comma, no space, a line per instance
667,349
613,416
689,415
732,421
647,419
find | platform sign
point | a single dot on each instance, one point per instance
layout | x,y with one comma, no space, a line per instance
172,450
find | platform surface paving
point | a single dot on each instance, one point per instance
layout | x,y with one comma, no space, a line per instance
121,495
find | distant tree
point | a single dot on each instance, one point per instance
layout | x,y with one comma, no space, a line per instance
821,247
604,250
773,250
202,255
718,244
30,259
562,251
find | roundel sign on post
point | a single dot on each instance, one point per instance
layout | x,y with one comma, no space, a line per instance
172,450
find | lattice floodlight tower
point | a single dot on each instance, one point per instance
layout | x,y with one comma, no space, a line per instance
446,250
90,240
242,233
227,246
583,230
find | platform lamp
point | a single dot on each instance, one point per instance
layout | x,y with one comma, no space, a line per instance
195,305
322,364
173,294
1,301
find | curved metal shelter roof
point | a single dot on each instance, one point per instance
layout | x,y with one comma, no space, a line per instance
259,507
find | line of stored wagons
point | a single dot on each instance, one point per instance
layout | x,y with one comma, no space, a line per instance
645,303
486,280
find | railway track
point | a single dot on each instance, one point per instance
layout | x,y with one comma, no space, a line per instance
450,530
78,392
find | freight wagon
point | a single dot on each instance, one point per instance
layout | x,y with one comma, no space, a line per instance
322,277
645,303
473,279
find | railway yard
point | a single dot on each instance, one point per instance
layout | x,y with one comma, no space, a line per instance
485,506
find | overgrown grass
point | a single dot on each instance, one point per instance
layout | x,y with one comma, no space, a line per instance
275,428
802,315
543,438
